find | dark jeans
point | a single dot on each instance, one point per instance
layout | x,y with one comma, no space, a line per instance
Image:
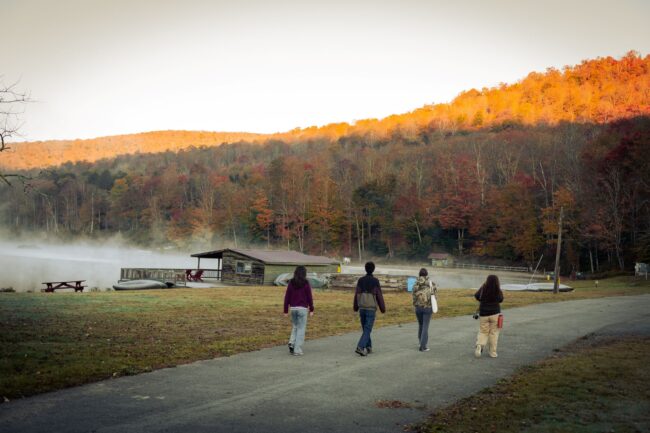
367,318
424,317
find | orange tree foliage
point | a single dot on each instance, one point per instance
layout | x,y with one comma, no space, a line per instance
600,90
440,178
263,215
459,197
55,152
492,193
513,221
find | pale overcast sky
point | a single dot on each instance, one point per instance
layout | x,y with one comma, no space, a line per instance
100,68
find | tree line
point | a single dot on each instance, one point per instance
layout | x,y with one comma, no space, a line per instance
491,193
599,90
484,176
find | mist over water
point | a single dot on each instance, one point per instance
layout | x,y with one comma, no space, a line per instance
446,278
26,264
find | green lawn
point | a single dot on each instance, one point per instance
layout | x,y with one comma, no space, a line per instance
56,340
595,385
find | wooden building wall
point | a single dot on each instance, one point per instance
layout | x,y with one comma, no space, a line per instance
229,272
261,273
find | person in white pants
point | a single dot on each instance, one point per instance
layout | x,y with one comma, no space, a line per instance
490,297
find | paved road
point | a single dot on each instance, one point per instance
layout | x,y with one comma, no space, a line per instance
329,389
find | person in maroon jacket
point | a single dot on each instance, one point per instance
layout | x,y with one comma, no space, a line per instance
367,298
299,302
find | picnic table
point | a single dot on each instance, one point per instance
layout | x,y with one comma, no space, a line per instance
53,285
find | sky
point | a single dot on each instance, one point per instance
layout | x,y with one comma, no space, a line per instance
98,67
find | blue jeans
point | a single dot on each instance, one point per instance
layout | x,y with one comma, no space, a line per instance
299,322
367,318
424,317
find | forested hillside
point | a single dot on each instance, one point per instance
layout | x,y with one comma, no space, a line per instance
39,154
598,91
442,178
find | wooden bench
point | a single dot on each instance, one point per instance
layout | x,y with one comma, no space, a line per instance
53,285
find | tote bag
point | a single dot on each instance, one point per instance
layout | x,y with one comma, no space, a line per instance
434,302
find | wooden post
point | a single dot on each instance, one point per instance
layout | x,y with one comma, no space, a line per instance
556,282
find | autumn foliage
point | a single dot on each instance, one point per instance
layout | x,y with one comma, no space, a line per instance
598,91
484,176
55,152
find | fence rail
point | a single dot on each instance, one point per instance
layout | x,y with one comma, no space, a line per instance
212,274
488,267
176,276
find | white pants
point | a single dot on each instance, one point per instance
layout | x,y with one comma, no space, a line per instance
488,333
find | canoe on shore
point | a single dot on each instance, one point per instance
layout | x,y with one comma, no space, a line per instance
141,285
315,281
535,287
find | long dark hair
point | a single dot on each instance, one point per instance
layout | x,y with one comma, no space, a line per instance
299,276
491,289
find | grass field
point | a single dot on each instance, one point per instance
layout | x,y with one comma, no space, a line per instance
595,385
52,341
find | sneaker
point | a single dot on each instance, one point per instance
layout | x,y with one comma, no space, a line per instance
297,353
493,355
361,352
426,349
290,347
478,351
368,350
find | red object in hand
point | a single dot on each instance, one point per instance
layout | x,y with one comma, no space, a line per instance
500,321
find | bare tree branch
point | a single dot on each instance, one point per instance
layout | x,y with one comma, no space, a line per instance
5,177
12,102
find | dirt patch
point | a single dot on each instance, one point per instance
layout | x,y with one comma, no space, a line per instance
397,404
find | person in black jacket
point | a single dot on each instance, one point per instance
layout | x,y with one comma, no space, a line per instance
367,298
490,297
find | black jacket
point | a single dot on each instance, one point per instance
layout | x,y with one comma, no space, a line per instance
489,304
369,284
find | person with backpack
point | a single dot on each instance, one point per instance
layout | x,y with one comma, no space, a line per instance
367,298
298,300
423,289
490,297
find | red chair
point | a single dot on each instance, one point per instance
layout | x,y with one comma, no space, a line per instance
194,277
198,274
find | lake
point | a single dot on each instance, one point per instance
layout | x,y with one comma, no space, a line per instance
26,265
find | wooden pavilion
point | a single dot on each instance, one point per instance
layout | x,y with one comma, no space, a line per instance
441,259
249,266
